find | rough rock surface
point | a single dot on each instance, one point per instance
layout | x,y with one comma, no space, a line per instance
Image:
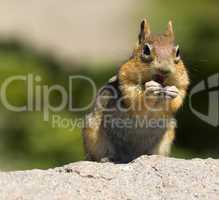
149,178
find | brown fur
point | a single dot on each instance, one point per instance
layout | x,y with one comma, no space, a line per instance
122,144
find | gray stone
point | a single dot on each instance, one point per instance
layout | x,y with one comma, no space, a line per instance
148,177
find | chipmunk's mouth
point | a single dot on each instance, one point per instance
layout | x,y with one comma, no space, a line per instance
159,78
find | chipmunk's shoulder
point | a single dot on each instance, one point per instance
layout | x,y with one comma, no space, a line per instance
108,93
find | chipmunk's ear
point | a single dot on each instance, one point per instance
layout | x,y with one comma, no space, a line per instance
144,31
169,32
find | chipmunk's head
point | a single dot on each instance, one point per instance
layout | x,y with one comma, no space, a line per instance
157,53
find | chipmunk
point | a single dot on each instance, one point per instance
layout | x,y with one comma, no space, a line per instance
149,87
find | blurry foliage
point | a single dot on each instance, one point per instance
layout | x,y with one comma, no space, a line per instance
26,141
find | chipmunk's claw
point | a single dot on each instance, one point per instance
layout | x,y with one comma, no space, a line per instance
171,92
153,88
156,89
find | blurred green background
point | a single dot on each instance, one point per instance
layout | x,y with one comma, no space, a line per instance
27,141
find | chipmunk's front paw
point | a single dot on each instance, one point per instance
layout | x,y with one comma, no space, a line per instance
153,88
171,92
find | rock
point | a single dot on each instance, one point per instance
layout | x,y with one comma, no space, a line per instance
148,177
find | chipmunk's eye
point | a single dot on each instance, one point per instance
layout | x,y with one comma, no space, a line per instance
177,52
147,50
146,54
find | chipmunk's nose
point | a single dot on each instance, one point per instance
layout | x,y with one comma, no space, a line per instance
164,70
